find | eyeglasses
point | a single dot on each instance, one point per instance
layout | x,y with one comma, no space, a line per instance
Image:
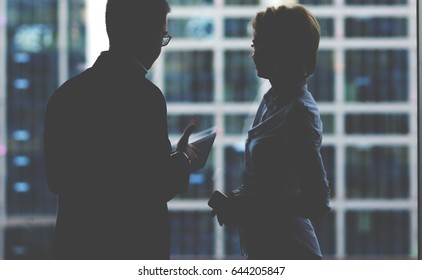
166,39
253,45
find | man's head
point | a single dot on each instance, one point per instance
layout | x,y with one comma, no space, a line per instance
137,27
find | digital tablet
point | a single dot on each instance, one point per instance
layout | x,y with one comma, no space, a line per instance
203,140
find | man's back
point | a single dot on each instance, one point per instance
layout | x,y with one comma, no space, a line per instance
106,149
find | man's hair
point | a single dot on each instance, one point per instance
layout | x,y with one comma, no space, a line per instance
126,18
290,32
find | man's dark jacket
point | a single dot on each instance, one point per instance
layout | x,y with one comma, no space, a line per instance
108,157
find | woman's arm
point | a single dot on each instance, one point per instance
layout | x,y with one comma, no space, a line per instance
313,200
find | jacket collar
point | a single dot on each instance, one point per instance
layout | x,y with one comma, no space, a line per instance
277,98
277,119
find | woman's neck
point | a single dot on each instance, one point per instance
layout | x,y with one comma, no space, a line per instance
281,84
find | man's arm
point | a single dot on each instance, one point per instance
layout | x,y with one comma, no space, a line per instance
54,145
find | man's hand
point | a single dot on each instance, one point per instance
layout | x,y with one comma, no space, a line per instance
183,146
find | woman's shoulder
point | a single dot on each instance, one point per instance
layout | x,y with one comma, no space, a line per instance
304,104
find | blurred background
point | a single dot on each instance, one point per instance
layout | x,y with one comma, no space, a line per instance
365,85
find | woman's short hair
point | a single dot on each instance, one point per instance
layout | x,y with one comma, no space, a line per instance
290,33
127,18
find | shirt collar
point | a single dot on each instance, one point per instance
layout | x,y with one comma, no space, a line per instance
119,57
271,98
274,100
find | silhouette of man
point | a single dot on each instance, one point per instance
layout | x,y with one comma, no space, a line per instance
108,156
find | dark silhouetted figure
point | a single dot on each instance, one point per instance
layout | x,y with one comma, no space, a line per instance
284,182
108,156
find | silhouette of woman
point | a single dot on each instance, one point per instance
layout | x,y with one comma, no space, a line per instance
284,181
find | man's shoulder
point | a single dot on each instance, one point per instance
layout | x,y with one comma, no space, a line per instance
70,91
151,86
76,81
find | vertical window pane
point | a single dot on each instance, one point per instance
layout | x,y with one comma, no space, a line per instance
241,82
189,76
327,26
321,83
377,172
328,123
376,27
377,75
376,233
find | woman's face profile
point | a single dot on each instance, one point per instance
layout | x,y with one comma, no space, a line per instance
261,58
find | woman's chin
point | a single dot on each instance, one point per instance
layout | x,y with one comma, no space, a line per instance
261,74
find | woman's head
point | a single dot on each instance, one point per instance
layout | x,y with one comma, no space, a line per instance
286,41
